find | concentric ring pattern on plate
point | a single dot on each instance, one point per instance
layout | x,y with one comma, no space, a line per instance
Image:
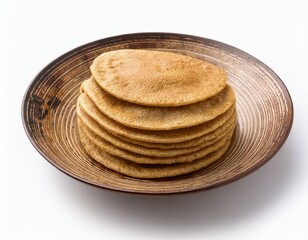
264,106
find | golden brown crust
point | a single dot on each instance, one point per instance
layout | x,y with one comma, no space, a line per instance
174,136
149,171
144,159
159,118
93,128
190,143
156,78
154,114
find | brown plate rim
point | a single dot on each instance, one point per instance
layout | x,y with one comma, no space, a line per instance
162,35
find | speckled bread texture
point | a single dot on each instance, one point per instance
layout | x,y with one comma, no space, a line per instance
159,118
137,146
146,171
156,78
155,137
190,143
119,144
150,114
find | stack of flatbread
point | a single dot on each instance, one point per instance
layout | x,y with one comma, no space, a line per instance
154,114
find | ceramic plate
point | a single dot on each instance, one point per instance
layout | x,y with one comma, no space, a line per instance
264,106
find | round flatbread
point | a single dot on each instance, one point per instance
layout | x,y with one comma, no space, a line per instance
96,129
159,149
143,159
159,118
190,143
157,78
174,136
144,171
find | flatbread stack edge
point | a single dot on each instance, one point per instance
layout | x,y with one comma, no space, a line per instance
151,114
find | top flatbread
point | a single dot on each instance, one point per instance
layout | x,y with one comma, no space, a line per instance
158,118
156,78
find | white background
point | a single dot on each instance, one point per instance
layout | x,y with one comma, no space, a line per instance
40,202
